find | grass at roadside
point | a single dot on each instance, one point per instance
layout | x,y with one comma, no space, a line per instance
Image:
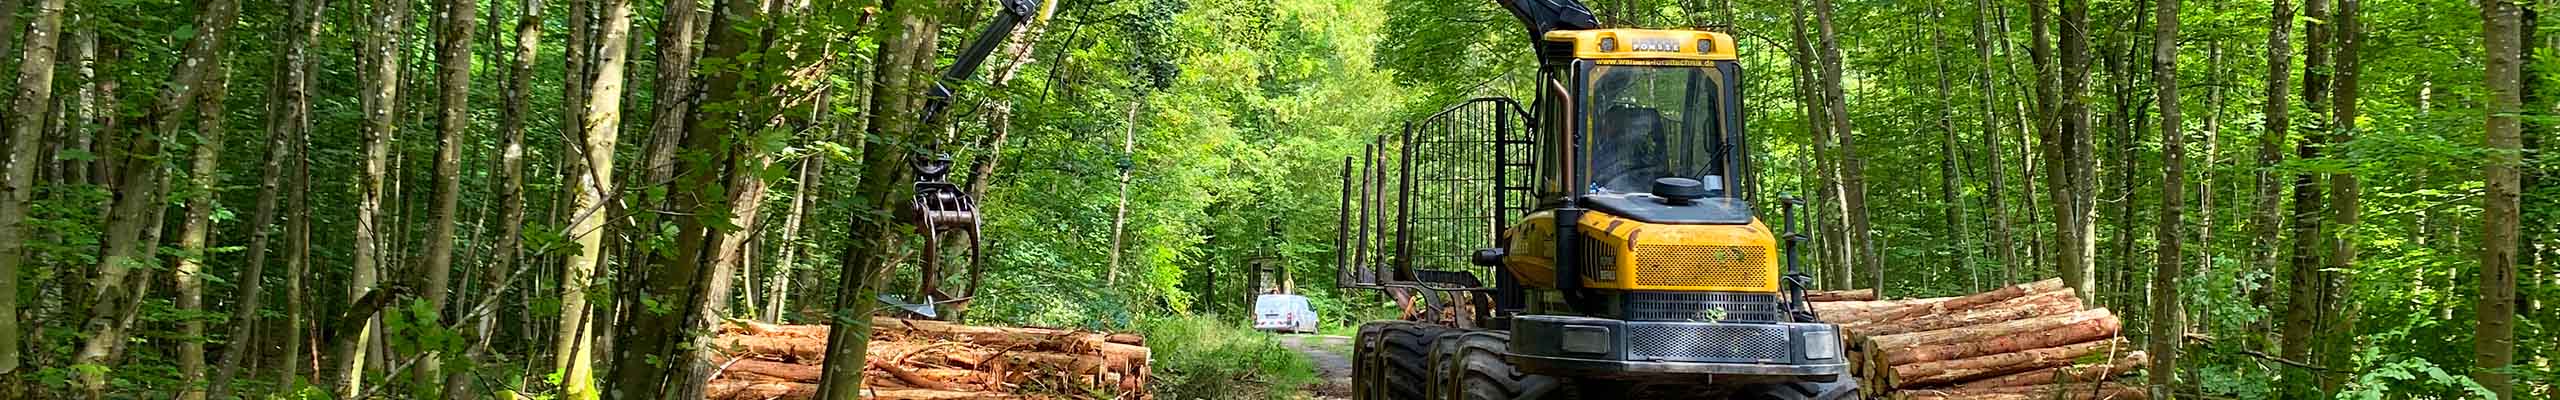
1203,357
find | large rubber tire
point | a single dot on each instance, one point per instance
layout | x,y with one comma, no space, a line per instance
1404,352
1364,352
1444,365
1477,371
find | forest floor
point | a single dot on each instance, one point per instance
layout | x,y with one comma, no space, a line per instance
1332,358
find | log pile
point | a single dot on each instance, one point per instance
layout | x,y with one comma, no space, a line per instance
932,360
2026,341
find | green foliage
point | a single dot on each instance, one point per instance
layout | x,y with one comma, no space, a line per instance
1205,357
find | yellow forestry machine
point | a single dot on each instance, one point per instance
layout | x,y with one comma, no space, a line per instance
1612,217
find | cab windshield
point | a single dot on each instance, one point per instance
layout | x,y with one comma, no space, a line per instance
1650,122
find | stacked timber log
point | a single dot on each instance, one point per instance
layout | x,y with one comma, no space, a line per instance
2026,341
917,359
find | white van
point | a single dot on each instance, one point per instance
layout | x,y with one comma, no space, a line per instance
1283,313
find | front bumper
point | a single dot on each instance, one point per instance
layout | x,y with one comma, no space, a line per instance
1732,351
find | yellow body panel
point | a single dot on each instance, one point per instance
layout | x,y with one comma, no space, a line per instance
1655,257
1646,44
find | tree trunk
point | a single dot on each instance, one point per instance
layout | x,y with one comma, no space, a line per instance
2344,207
1950,179
1831,262
298,233
2048,136
34,96
2168,313
2077,162
2001,238
2037,305
573,343
2494,344
381,109
2085,372
601,127
2303,273
882,167
453,122
196,226
287,107
134,221
2007,337
1852,167
698,274
1993,365
2268,195
2068,391
1120,219
780,289
81,108
2070,157
2121,127
509,194
653,189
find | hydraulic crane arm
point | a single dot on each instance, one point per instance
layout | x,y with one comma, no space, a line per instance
1010,15
1542,16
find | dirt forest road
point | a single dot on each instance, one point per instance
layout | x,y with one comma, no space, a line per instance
1332,357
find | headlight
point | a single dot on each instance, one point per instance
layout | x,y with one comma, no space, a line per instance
1821,345
1585,339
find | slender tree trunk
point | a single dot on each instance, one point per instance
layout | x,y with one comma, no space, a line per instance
82,107
2302,306
509,195
573,343
2048,136
2494,343
2121,125
652,188
601,125
34,95
1834,262
2268,195
2205,180
2001,239
696,275
348,356
2344,206
287,106
1120,219
2168,315
674,103
297,234
2072,165
1950,179
453,122
196,226
134,221
1852,168
780,288
849,331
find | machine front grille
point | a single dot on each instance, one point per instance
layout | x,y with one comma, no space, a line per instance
1704,266
1695,306
1712,343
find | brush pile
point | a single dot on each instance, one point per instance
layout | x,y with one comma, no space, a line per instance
917,359
2027,341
